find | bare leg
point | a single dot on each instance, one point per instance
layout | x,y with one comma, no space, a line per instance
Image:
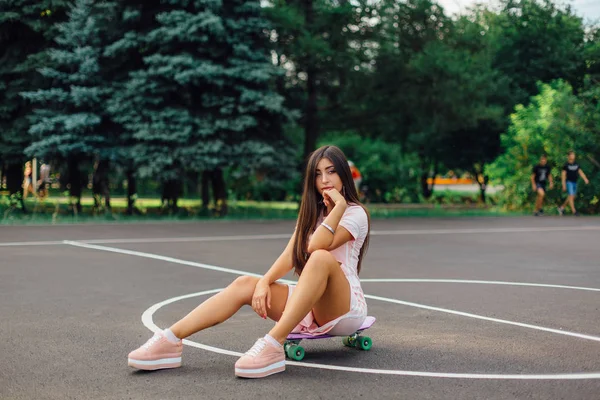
321,285
571,200
225,304
540,199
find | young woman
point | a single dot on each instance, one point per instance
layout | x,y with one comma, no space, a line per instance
326,251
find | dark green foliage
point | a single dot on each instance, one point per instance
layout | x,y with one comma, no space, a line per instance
537,41
26,31
69,119
202,100
554,122
389,175
182,92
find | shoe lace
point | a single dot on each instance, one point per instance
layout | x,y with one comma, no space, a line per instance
257,348
151,341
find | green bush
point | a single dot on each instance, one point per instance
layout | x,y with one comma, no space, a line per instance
389,175
555,122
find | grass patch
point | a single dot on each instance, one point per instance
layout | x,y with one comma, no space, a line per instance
191,210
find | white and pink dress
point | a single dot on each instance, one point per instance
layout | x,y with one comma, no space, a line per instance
354,220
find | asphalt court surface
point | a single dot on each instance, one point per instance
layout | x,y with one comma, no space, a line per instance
467,308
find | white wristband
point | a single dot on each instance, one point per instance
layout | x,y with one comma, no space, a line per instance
330,229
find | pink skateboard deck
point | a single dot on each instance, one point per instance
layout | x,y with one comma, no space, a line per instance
368,322
294,351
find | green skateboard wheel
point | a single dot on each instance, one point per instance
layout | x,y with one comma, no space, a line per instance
348,341
364,342
295,352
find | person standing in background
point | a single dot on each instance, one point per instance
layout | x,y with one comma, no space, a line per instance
570,174
539,177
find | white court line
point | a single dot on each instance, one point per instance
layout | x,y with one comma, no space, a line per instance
420,280
48,243
406,303
476,316
484,230
190,239
155,240
161,258
287,235
147,320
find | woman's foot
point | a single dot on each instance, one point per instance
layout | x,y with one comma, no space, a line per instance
263,359
157,353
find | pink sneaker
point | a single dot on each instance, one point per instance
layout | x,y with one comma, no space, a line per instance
157,353
263,359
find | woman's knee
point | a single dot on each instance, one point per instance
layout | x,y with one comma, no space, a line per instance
245,285
320,254
319,258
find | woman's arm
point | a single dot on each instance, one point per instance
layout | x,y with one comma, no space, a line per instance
323,238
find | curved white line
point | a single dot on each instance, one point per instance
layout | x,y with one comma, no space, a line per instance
148,321
406,303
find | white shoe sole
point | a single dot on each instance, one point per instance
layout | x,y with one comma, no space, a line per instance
261,372
151,365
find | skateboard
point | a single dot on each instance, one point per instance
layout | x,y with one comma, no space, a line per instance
294,351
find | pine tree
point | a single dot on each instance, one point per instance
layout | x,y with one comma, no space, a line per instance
203,100
125,54
68,121
26,30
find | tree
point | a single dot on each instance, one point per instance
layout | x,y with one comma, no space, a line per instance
473,146
68,121
554,122
537,41
203,100
26,31
125,51
432,85
322,45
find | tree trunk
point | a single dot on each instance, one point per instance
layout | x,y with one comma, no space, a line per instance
101,184
311,129
75,182
219,192
14,184
311,123
426,188
171,192
131,192
205,189
192,183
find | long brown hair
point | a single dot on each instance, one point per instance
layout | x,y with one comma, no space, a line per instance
311,206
